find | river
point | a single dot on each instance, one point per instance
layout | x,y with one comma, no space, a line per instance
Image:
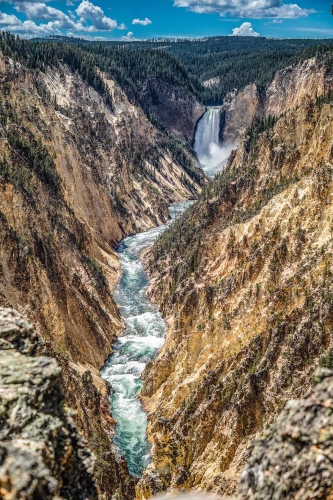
138,344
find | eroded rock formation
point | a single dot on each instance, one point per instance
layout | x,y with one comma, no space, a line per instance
42,454
293,460
176,108
75,178
290,86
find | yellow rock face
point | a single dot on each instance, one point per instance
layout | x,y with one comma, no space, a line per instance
247,295
58,263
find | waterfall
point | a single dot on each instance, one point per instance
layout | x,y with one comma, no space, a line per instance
208,132
211,153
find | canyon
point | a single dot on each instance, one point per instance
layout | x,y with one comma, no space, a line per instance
240,284
43,455
77,177
243,282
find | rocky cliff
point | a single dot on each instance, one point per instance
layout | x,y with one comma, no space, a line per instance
176,108
42,454
244,283
76,177
293,459
289,87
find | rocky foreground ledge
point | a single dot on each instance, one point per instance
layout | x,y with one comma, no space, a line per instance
294,460
42,455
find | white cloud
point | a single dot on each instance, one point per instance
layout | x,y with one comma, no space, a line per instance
42,12
26,29
88,11
8,19
37,11
143,22
275,21
246,8
129,37
244,30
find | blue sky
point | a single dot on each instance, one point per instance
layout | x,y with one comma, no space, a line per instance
131,19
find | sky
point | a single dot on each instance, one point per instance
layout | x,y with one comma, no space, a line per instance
145,19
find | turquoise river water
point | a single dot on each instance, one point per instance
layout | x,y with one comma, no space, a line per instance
143,336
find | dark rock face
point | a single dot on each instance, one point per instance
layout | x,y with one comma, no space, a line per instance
42,455
175,108
16,333
295,458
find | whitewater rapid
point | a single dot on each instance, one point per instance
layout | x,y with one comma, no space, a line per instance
143,336
211,153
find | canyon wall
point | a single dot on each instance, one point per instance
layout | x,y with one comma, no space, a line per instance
75,178
177,109
43,455
243,281
289,87
293,459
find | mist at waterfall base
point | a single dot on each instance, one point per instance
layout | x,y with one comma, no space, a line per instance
213,162
211,154
143,336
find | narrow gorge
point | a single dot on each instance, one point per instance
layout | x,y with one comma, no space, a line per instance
137,346
144,326
165,268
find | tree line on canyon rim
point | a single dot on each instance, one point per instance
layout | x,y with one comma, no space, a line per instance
185,64
234,61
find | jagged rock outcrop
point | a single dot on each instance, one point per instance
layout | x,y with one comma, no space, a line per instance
88,396
42,454
294,458
238,111
244,283
177,109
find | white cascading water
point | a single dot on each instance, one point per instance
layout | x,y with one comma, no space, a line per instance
211,153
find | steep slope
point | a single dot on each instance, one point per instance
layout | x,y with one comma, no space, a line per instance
174,107
243,280
90,177
287,90
75,177
44,456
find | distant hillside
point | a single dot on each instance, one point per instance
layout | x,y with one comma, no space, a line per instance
236,61
233,62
